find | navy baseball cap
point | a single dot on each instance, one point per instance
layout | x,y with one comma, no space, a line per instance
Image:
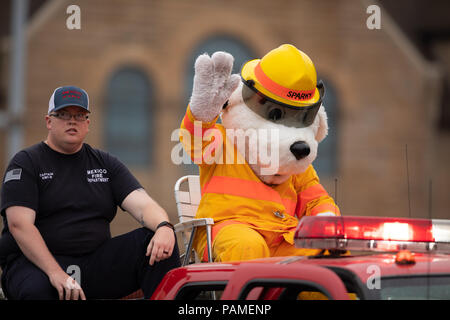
68,96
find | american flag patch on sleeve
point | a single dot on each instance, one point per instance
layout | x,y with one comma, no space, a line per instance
13,174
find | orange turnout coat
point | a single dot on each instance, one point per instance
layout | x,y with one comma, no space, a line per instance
233,194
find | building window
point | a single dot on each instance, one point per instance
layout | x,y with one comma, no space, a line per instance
326,162
129,121
236,48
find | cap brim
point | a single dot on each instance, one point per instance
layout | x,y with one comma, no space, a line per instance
69,105
248,73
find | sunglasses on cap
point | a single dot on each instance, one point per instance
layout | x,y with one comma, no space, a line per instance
279,112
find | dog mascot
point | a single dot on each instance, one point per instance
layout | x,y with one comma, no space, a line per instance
256,175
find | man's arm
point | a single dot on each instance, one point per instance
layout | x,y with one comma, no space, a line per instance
21,225
148,213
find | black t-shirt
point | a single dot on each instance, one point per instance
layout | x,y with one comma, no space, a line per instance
75,196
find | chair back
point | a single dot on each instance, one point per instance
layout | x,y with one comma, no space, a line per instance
187,197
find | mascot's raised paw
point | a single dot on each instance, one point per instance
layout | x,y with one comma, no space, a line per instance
213,85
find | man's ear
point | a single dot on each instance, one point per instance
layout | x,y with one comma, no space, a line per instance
48,121
322,131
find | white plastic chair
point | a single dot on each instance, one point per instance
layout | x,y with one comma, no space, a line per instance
187,205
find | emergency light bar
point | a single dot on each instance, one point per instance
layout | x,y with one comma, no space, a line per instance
373,234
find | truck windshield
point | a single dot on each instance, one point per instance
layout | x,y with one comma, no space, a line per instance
424,287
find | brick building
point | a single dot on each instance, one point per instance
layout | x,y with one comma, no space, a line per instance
135,59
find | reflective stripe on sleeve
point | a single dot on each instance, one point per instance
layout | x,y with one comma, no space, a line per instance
305,196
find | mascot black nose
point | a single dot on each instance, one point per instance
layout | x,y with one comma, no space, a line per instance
300,149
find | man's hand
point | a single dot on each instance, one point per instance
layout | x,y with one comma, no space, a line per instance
145,210
67,287
161,246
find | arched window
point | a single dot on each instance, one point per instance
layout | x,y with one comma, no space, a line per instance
326,162
128,117
235,47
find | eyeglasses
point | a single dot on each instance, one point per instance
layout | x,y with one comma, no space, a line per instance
279,112
63,115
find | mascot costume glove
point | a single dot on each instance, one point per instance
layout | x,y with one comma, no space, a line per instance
213,85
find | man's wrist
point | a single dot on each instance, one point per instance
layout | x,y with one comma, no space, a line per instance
165,224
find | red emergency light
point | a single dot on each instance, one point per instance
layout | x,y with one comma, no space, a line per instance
373,233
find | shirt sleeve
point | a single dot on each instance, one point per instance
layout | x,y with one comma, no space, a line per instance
312,198
122,180
202,141
20,185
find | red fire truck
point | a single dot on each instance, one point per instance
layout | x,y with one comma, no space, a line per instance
361,258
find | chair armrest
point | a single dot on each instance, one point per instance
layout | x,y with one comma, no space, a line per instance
193,223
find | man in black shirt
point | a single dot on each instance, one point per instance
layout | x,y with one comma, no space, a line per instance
57,200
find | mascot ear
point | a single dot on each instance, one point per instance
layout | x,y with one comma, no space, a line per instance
322,130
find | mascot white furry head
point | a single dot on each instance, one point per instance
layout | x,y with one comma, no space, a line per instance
276,98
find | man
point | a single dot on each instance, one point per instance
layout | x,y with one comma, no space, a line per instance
57,201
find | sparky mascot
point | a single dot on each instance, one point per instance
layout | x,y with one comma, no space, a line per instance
256,172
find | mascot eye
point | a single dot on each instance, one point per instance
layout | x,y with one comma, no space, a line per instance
275,114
